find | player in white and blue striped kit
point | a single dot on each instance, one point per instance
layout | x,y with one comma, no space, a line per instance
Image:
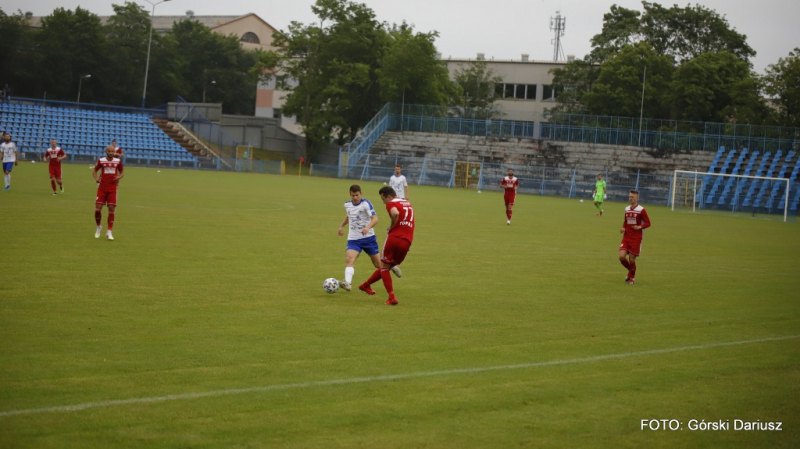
362,219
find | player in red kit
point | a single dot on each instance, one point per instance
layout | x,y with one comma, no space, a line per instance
111,169
510,183
117,149
636,220
55,154
398,242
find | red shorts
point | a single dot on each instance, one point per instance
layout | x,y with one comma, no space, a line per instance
55,171
631,246
106,197
395,250
509,198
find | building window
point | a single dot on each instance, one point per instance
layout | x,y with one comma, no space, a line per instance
516,91
520,93
508,91
548,93
530,94
250,38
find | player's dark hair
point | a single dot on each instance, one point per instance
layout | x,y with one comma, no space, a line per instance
355,188
635,191
398,165
387,191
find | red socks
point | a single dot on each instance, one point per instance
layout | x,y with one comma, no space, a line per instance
374,278
53,183
97,217
110,221
386,275
625,263
633,270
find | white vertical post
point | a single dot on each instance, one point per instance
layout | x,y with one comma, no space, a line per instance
786,203
674,188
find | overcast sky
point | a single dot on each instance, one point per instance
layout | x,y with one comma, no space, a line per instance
501,29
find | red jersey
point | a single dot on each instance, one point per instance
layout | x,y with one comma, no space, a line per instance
636,216
53,154
109,170
510,183
118,152
404,227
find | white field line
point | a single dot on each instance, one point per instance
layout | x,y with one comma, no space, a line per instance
355,380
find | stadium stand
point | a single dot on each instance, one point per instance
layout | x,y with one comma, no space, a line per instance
84,134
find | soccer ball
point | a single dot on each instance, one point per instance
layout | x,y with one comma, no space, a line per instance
330,285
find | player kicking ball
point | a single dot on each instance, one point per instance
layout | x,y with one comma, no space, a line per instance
361,218
398,242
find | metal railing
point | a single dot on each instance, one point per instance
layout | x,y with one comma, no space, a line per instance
594,129
209,132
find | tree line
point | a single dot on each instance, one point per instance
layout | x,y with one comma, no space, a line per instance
681,63
53,60
340,70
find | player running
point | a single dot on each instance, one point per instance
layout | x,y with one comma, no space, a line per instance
636,220
55,154
510,183
112,172
398,242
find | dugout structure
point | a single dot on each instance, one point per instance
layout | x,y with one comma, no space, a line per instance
761,196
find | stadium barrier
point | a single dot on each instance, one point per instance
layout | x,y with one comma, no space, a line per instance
546,181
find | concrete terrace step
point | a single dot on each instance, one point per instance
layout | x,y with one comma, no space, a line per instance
541,153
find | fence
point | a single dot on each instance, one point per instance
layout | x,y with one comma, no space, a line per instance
607,130
546,181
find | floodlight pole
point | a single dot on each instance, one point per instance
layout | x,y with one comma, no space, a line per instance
79,87
641,108
149,42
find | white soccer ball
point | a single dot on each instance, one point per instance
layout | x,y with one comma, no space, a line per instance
581,201
330,285
479,191
33,162
385,183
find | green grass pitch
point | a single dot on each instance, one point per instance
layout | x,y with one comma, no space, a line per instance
204,325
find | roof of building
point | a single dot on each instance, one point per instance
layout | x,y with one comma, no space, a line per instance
164,23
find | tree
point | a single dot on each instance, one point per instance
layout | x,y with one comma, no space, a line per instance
618,90
330,67
682,33
127,33
73,44
205,56
19,54
573,81
716,87
478,81
621,27
782,83
342,69
410,72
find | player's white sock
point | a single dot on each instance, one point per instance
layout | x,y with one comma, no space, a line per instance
7,179
348,274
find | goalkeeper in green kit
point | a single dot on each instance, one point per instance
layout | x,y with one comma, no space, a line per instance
599,194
